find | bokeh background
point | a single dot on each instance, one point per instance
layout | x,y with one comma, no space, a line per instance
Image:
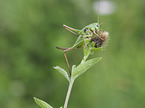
31,29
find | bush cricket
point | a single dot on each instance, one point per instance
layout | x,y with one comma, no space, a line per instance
90,33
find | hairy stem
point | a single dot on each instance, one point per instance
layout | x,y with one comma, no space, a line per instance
68,93
85,58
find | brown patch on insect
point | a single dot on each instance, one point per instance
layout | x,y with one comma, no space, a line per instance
100,39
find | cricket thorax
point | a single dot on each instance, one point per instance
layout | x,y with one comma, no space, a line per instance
87,31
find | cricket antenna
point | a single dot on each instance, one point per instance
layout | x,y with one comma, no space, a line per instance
98,15
98,11
98,19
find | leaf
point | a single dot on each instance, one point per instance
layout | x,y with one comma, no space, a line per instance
80,69
62,71
73,68
97,49
41,103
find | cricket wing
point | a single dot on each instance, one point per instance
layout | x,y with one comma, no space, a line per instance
79,42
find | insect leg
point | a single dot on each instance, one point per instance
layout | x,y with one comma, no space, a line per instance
98,33
95,33
72,30
67,59
88,36
101,30
61,48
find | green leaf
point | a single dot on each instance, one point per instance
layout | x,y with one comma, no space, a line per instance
97,49
80,69
62,71
41,103
73,68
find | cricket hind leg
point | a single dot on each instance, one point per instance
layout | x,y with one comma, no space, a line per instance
72,30
61,48
67,60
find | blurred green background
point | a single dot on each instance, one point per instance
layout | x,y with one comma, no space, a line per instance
31,29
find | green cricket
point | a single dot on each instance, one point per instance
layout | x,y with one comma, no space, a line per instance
90,33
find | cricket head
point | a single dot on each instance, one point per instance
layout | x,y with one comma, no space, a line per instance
90,29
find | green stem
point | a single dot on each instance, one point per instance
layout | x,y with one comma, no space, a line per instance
68,93
72,80
85,58
86,54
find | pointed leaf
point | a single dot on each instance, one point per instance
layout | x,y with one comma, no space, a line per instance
80,69
73,67
97,49
62,71
41,103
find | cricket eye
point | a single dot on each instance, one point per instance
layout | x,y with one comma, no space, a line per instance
85,30
97,26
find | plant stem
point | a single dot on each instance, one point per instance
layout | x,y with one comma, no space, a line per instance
85,58
68,92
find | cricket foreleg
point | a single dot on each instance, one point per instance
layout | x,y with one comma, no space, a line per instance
101,30
86,36
98,33
95,33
